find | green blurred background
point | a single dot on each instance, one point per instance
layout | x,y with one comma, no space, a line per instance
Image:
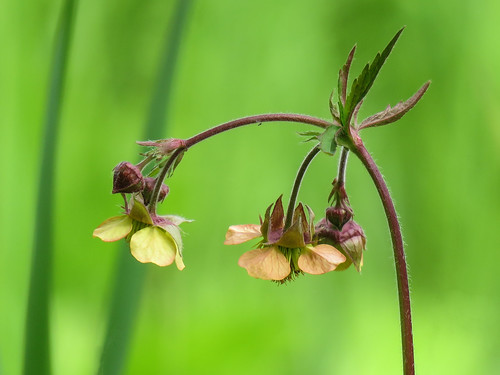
239,58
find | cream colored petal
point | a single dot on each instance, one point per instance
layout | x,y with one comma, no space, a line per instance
175,232
267,264
179,262
237,234
153,245
320,259
114,229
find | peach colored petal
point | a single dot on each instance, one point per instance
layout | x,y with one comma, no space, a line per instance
267,264
153,245
237,234
114,228
320,259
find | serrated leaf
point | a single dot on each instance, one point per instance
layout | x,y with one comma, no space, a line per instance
364,81
327,142
343,77
395,113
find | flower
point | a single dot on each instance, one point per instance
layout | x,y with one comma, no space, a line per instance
153,239
350,240
283,253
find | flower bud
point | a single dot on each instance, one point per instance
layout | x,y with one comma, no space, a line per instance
127,178
149,186
338,216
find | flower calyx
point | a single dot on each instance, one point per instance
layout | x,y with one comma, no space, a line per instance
149,186
340,212
127,178
164,147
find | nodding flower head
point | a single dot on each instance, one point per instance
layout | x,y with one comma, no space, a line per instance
153,239
350,240
283,253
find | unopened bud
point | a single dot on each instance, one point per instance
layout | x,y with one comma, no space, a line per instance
338,216
149,186
127,178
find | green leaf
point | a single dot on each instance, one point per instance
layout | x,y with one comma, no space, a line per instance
37,332
364,81
326,139
343,77
327,142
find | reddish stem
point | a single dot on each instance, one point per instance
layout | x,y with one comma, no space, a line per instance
399,255
257,119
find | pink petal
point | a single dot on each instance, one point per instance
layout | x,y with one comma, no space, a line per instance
320,259
267,264
237,234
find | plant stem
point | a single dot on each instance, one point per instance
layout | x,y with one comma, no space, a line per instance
342,166
399,255
257,119
271,117
296,185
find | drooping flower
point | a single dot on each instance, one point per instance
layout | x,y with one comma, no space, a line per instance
339,230
350,240
153,239
283,253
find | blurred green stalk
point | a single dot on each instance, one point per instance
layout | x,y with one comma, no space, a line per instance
37,334
130,275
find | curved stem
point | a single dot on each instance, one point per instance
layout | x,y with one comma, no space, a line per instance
270,117
257,119
399,255
296,185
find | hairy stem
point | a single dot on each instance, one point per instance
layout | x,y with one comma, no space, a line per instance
342,166
296,185
257,119
399,255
